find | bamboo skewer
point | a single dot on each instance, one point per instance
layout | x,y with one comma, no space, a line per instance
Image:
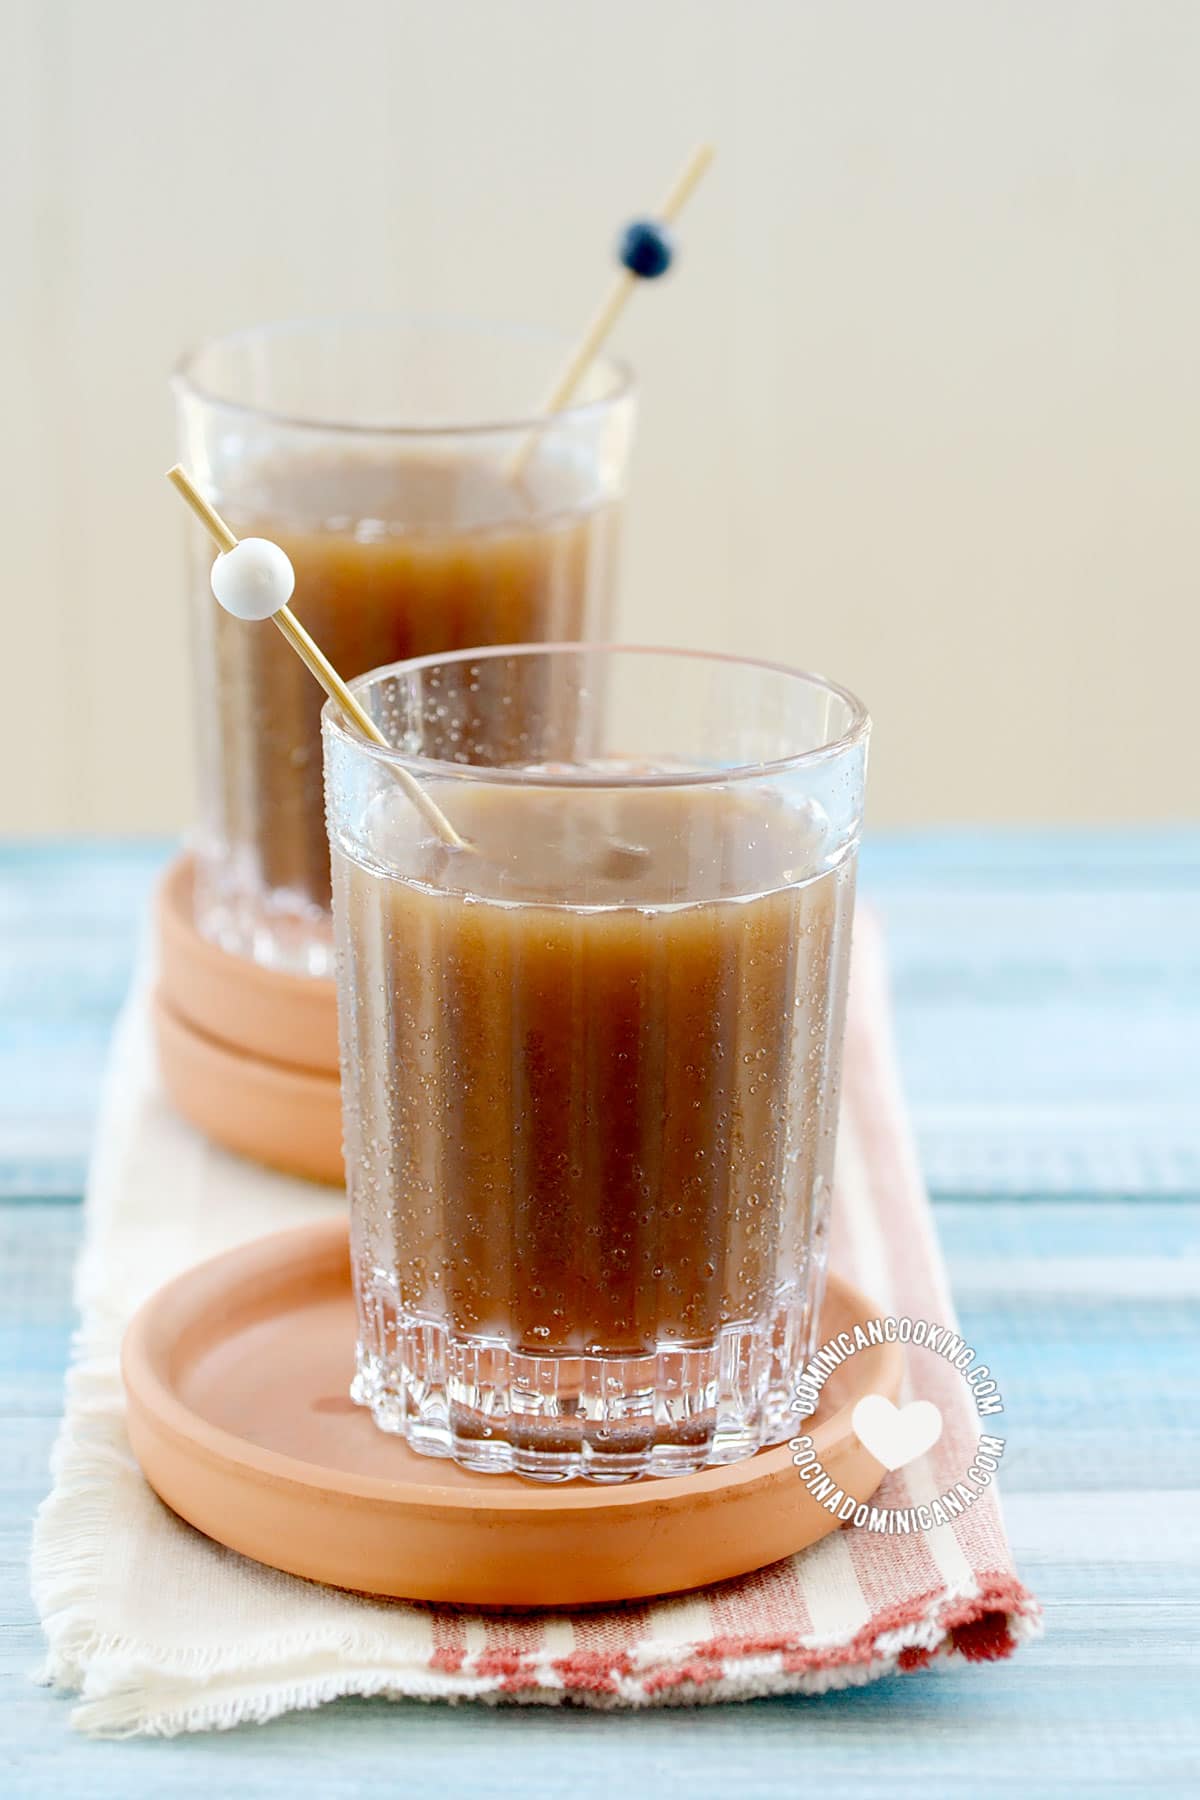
318,664
611,308
293,632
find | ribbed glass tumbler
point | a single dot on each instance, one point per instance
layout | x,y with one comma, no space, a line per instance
590,1058
426,505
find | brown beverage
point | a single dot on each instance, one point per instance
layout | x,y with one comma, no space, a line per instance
590,1058
479,559
588,1116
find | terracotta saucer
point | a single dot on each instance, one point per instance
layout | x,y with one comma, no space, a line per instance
247,1054
289,1119
264,1013
237,1374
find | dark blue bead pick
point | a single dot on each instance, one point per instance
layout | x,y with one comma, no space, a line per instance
645,249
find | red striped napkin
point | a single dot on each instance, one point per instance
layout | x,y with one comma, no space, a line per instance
160,1630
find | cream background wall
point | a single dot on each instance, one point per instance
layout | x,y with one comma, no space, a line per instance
921,409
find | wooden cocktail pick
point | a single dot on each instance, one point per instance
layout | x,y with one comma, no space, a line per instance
645,253
253,578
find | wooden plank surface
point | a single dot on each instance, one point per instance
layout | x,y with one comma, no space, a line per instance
1048,1010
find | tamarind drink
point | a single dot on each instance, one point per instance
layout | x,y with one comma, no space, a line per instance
590,1084
474,559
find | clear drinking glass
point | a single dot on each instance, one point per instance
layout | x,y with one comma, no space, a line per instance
590,1061
427,506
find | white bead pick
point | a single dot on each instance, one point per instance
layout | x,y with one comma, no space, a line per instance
254,579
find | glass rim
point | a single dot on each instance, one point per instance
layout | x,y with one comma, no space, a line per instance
855,733
185,380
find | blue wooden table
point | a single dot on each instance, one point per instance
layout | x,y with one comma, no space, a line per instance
1048,997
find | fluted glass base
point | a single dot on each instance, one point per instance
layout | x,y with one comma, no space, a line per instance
556,1417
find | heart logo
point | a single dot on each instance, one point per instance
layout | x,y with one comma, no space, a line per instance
896,1435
